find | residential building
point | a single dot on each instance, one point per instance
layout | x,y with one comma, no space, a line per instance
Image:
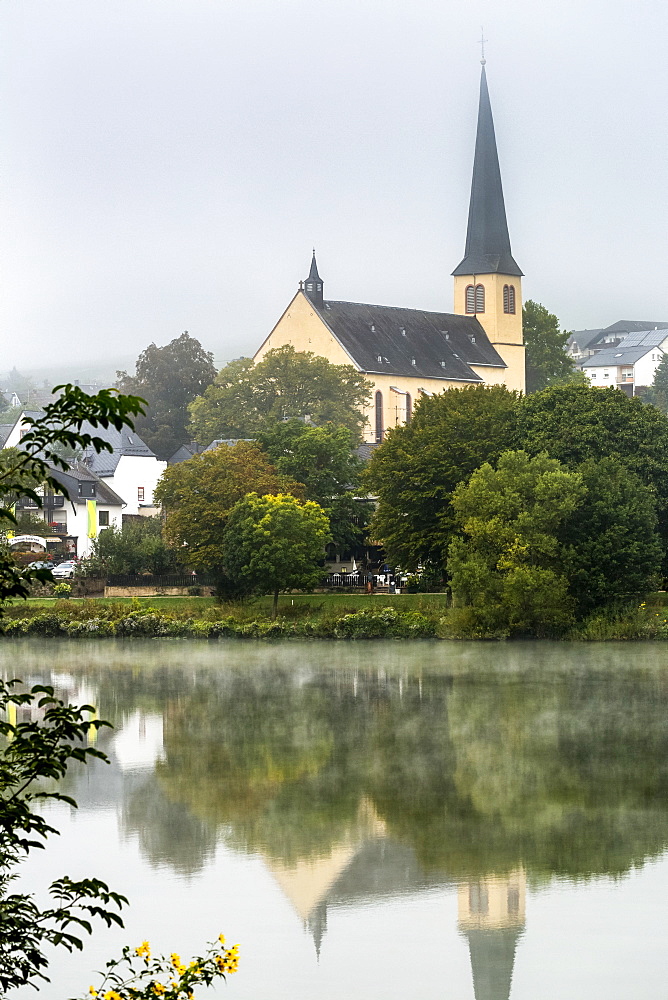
406,353
631,364
583,344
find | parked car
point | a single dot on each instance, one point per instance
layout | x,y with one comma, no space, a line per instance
65,570
40,564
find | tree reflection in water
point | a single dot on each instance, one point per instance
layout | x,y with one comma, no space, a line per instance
355,781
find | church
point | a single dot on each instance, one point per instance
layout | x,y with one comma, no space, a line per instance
407,353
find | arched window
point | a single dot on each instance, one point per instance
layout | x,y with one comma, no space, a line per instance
509,299
480,298
409,407
470,299
379,416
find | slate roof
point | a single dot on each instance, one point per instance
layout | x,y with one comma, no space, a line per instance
80,473
124,442
5,430
443,345
185,452
633,326
631,349
487,239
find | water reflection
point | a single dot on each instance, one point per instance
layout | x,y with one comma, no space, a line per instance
397,770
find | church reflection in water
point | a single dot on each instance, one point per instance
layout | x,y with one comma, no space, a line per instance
359,786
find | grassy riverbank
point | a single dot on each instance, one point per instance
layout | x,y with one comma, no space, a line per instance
318,616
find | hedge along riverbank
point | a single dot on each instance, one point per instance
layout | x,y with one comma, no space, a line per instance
383,623
89,619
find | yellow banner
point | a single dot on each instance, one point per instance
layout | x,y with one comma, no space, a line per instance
92,518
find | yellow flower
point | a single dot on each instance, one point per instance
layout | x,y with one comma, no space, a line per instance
221,938
144,949
92,991
176,961
158,988
112,995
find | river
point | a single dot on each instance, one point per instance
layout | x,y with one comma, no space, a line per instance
373,820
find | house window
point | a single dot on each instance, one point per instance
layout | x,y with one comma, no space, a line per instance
470,299
140,493
379,416
509,299
409,407
480,298
86,489
627,374
103,518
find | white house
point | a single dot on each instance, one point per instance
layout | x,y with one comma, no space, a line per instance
130,469
75,523
629,365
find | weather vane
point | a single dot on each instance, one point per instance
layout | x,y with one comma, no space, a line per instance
482,47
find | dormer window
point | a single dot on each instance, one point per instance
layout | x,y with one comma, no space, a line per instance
472,339
380,359
442,364
413,362
403,331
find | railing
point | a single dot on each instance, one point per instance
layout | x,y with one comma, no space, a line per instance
175,580
346,580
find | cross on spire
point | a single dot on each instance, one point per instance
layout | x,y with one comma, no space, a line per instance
482,46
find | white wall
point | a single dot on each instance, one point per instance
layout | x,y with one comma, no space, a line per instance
645,369
132,472
77,524
602,376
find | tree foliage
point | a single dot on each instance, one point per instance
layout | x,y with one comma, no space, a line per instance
247,399
136,547
546,360
509,567
275,543
612,549
576,424
323,459
32,754
417,467
168,378
198,495
657,393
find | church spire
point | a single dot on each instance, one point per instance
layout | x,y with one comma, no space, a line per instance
487,240
313,285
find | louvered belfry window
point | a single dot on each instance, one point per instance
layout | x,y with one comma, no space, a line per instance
509,299
470,299
379,416
480,298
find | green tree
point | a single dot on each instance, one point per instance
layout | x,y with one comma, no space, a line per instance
658,391
546,360
323,459
509,567
198,495
612,547
36,752
4,404
417,467
575,424
168,378
275,543
136,547
247,399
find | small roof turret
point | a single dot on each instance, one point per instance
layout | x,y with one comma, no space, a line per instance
313,285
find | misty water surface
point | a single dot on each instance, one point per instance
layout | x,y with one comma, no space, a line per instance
388,820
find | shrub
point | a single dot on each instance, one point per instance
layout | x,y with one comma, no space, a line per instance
62,590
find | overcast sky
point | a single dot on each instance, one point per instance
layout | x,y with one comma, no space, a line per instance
168,164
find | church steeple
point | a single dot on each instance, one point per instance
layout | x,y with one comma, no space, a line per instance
488,282
313,285
487,239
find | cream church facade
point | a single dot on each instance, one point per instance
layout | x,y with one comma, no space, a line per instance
407,353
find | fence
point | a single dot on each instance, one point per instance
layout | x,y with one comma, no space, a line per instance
175,580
